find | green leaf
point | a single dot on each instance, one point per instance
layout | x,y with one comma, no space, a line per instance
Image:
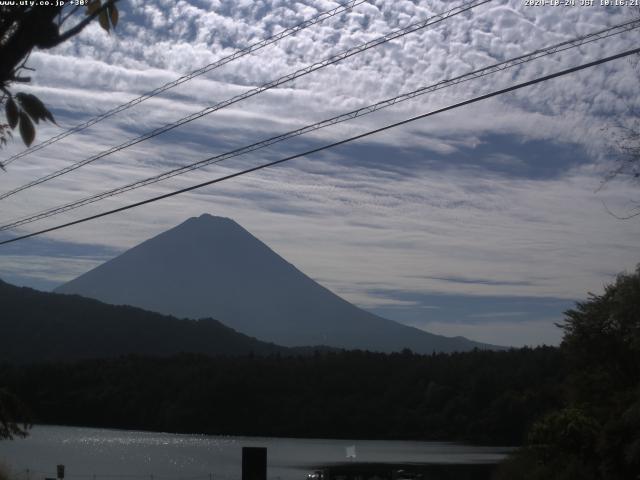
103,18
34,107
93,7
11,110
27,130
113,15
49,116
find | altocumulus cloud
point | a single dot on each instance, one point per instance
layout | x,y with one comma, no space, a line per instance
494,201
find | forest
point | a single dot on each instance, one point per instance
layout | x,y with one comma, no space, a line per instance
483,396
574,410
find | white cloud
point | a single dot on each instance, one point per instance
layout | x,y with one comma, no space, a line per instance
351,226
40,267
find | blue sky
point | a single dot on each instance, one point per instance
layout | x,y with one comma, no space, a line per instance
487,221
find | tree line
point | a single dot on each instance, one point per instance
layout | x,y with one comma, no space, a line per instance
595,434
573,409
480,396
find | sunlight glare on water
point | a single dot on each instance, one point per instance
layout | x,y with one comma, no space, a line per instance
102,454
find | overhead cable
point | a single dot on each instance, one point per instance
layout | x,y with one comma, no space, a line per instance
332,145
482,72
195,73
255,91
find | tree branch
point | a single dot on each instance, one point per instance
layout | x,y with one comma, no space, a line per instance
620,217
64,19
81,25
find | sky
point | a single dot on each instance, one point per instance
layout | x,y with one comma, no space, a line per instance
488,221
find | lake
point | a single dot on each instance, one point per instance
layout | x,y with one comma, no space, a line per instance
102,454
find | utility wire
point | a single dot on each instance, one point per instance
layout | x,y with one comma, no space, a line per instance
255,91
332,145
185,78
489,70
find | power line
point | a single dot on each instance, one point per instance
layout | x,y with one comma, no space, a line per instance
321,17
489,70
255,91
332,145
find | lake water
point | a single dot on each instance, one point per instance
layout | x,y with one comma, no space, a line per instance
100,454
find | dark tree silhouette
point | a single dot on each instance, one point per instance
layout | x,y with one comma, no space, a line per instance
624,139
596,435
24,28
13,416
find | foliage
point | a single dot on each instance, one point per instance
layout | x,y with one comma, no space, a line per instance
25,27
13,416
526,465
604,333
568,431
481,396
624,139
597,432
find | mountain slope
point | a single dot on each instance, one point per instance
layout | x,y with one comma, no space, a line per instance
37,326
212,267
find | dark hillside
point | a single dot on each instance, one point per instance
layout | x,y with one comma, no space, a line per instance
37,326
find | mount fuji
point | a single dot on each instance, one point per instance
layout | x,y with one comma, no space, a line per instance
212,267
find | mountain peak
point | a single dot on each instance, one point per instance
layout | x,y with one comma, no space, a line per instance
211,266
208,218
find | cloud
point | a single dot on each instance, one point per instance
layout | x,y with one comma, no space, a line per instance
44,272
497,314
520,334
496,199
481,281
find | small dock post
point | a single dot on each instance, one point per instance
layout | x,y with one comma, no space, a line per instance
254,463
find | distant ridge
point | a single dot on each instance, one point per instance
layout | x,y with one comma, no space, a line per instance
212,267
46,327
